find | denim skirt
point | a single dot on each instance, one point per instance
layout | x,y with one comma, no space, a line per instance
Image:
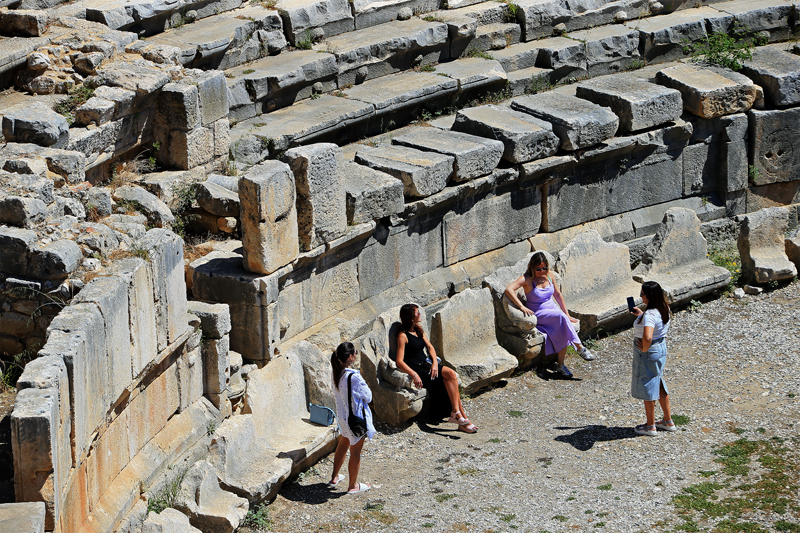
647,370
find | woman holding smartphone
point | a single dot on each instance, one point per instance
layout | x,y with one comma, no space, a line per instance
426,371
649,356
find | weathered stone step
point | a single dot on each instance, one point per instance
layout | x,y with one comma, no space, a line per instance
370,13
381,50
495,36
228,39
279,81
539,18
307,21
148,17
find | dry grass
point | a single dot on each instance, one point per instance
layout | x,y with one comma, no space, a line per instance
192,252
129,172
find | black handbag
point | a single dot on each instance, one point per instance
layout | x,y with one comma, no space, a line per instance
357,424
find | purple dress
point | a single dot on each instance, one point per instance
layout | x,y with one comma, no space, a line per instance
551,320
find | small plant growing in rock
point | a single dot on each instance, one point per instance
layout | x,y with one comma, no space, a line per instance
77,97
753,174
729,51
306,41
164,498
476,52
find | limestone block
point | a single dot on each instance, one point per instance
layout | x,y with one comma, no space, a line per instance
157,403
317,373
22,212
56,260
538,17
677,258
216,365
762,246
768,16
16,247
792,245
268,217
315,19
168,521
524,137
495,36
212,93
777,72
95,110
772,145
591,14
517,57
190,149
25,517
516,215
245,464
638,104
706,93
405,92
394,397
110,295
321,202
370,194
24,22
215,319
422,173
34,427
566,57
209,507
701,168
384,263
373,12
86,64
136,77
37,124
141,311
216,199
190,377
123,99
596,280
577,123
178,105
276,396
665,36
156,211
609,49
474,74
474,156
467,342
165,251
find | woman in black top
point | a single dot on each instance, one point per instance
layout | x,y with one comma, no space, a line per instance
424,370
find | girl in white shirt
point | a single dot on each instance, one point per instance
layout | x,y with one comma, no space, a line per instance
341,359
649,357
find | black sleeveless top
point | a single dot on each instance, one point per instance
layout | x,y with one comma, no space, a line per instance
415,352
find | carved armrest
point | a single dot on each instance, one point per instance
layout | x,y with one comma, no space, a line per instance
518,319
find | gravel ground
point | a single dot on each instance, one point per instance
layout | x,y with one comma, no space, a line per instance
566,449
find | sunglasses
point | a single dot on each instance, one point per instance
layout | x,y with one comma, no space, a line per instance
540,269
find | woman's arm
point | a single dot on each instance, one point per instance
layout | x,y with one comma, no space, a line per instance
360,389
647,339
559,298
511,292
402,340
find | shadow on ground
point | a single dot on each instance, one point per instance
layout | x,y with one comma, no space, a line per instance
584,437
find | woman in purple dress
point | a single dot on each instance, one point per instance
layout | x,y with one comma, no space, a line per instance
543,299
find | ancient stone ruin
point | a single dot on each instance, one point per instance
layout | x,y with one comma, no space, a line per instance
200,200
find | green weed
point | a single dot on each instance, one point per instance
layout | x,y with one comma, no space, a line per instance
258,518
167,495
305,42
516,414
729,51
441,498
77,97
607,486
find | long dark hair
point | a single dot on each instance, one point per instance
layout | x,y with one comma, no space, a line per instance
339,360
656,299
407,320
536,259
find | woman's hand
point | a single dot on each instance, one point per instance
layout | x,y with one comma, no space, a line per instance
416,380
526,311
639,343
434,369
636,311
573,320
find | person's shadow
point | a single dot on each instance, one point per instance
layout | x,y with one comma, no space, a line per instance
449,431
315,493
583,438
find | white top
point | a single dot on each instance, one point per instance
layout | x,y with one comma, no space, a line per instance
362,395
652,318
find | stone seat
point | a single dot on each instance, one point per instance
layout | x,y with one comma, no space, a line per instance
762,246
147,17
495,36
255,452
278,81
306,21
677,258
392,47
596,280
394,396
768,16
374,12
609,49
228,39
467,342
475,76
312,120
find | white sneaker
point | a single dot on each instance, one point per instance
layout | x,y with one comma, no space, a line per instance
586,354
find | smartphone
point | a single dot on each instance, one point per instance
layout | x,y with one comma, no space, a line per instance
631,304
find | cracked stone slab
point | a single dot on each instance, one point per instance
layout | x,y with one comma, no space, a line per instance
474,73
306,20
777,72
373,12
140,78
371,194
612,48
255,139
386,49
567,57
707,93
638,104
404,90
578,123
529,80
771,16
524,137
474,156
495,36
665,36
422,173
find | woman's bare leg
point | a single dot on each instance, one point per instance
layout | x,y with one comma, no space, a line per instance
338,457
355,464
663,399
561,356
650,411
451,386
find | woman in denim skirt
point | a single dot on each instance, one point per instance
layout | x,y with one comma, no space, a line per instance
649,356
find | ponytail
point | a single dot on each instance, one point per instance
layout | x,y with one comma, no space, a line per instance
339,359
